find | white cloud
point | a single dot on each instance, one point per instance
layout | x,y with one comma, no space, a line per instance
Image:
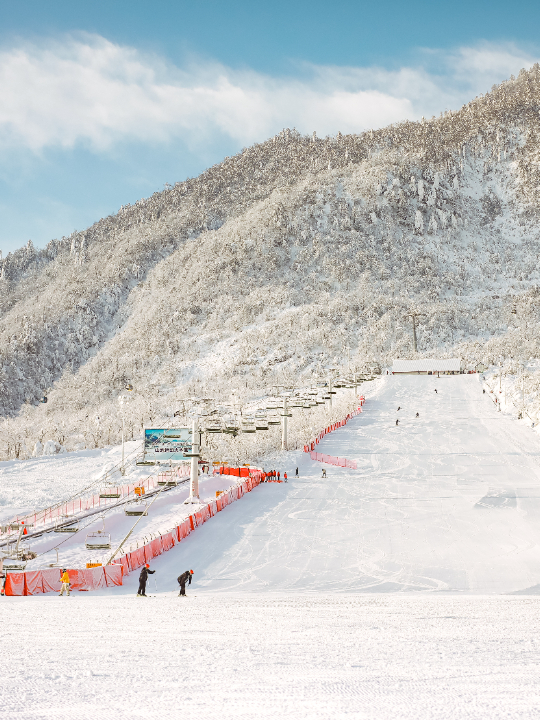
89,90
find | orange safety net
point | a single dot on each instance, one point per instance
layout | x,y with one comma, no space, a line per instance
33,582
14,584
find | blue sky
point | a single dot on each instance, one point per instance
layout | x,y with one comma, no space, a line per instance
102,103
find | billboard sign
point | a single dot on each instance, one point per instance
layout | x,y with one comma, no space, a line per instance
162,445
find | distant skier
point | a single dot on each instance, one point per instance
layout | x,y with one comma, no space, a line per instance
436,391
285,477
143,579
324,472
297,468
278,476
397,422
417,414
399,408
64,579
184,578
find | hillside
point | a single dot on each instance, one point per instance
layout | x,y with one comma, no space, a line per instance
264,268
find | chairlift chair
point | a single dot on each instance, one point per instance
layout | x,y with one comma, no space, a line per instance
65,524
98,541
248,426
109,492
214,428
136,509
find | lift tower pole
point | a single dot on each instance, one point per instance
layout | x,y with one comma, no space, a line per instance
413,316
284,428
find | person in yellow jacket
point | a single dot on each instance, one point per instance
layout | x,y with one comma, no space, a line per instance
65,582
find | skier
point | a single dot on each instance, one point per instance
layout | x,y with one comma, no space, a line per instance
399,408
324,472
417,414
296,472
184,578
436,391
143,579
64,579
285,477
397,422
278,476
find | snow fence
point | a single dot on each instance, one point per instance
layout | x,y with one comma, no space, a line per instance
334,426
331,460
36,582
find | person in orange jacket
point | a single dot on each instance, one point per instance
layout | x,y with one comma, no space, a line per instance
285,476
64,579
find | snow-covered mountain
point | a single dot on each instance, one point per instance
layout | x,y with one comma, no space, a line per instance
267,266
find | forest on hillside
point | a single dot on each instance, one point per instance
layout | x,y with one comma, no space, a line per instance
297,255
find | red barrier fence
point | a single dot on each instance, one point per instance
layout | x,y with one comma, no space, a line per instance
330,460
334,426
35,582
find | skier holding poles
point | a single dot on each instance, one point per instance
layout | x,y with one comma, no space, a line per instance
143,579
184,578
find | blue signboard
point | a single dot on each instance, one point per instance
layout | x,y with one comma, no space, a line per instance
166,444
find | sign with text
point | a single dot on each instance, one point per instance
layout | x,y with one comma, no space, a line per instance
162,445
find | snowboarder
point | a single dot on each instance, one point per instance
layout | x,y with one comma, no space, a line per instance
324,472
184,578
64,579
143,579
296,472
397,422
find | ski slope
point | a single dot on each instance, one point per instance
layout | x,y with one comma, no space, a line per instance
374,593
447,502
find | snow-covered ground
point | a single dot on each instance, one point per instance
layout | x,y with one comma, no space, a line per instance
405,589
270,655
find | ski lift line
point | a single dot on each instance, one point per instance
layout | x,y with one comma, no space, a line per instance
125,498
91,513
96,512
83,491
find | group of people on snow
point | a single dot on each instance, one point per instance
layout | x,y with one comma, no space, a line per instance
183,579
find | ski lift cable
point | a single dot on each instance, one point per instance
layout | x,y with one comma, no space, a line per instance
115,553
87,488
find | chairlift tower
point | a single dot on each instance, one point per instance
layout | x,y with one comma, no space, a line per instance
413,316
194,475
284,425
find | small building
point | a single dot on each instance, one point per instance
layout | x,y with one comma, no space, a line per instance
427,366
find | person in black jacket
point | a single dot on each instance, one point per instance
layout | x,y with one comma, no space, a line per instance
143,578
184,578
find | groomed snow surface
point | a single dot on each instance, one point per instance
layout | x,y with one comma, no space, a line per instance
405,589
